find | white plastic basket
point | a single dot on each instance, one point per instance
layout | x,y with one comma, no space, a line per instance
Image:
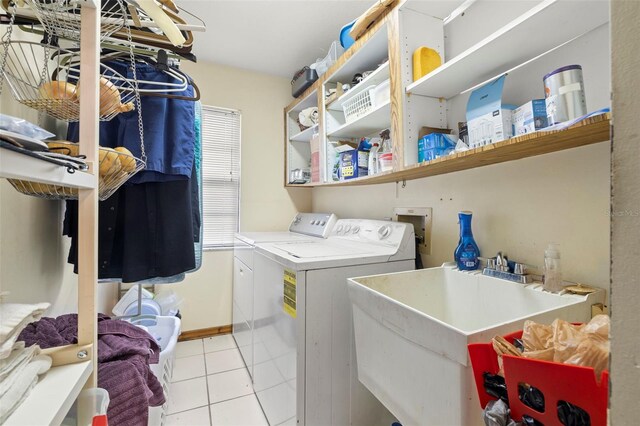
359,105
381,94
166,331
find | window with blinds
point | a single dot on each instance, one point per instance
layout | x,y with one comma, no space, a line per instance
220,176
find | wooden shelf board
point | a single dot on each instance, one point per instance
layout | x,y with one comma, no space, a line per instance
375,120
305,135
378,76
514,44
592,130
14,165
51,399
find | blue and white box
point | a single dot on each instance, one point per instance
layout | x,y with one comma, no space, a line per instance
488,119
530,117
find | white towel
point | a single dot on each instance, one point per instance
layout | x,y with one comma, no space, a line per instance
17,386
19,357
14,317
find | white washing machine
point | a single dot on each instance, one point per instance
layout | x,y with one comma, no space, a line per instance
304,227
304,350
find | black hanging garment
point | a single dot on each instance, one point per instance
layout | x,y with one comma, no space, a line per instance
148,227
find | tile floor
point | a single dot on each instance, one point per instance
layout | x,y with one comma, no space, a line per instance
211,386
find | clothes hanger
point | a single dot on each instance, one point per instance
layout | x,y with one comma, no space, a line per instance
71,63
142,27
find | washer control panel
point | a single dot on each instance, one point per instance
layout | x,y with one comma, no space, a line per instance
314,224
372,231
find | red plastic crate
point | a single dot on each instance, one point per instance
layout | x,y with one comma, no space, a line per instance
558,382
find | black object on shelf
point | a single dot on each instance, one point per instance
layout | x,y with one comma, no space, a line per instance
72,164
302,80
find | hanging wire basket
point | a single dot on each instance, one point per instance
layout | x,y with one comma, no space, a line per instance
116,167
46,78
61,18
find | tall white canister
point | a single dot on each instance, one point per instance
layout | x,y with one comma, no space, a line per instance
564,94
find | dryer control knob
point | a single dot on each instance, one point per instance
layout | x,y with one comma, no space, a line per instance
347,228
356,229
323,223
384,231
339,229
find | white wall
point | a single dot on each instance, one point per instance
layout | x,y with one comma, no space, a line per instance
33,252
519,207
265,204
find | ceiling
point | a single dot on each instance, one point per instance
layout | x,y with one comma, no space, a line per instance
276,37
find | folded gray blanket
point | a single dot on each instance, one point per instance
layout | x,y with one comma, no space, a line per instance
124,354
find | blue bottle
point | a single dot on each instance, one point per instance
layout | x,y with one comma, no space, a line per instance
467,253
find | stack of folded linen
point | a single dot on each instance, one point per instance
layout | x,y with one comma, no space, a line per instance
19,366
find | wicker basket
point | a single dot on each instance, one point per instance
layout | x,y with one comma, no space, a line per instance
45,78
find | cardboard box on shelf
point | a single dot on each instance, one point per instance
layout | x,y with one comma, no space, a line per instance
426,130
488,119
530,117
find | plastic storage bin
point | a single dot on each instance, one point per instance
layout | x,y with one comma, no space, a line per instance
359,105
381,94
166,331
557,382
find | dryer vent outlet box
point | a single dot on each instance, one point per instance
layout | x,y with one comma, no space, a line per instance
420,218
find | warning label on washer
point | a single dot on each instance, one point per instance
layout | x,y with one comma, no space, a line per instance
290,292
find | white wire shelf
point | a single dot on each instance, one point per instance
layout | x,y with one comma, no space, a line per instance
14,165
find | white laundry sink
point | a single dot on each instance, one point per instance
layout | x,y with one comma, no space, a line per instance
412,330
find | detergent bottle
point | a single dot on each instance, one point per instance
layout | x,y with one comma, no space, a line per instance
467,254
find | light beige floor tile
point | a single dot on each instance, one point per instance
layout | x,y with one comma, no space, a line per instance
189,348
196,417
219,343
228,385
243,411
229,359
188,368
187,395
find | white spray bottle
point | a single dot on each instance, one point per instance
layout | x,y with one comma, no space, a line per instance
373,158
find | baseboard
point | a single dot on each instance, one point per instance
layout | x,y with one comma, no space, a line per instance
204,332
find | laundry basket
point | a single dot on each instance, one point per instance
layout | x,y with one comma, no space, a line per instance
166,331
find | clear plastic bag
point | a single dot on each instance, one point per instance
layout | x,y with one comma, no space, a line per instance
584,345
23,127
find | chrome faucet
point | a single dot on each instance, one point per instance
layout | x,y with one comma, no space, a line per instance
498,267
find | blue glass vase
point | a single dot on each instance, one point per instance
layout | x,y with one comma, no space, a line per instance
467,253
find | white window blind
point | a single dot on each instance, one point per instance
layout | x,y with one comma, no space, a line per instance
220,176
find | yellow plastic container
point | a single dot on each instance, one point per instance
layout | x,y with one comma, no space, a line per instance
425,60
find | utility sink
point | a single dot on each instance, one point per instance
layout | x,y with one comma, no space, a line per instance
412,330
